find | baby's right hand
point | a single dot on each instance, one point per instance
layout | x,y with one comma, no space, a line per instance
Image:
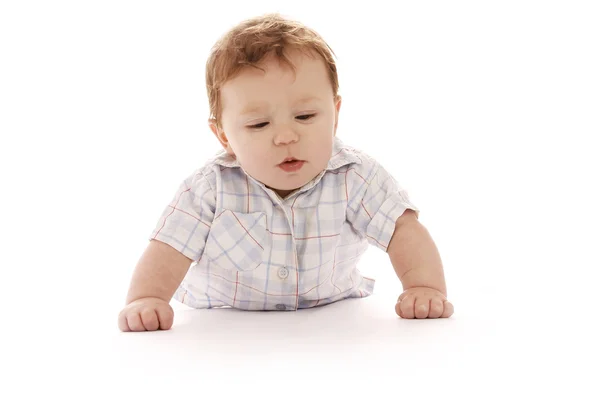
146,314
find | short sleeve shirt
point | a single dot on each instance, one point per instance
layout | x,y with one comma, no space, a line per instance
253,250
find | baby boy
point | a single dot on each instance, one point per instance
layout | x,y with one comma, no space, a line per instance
279,218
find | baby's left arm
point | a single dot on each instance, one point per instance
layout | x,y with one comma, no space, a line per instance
417,263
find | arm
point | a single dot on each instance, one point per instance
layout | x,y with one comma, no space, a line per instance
382,211
156,277
158,273
165,262
417,263
415,256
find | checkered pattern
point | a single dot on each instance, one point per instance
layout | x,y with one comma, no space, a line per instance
253,250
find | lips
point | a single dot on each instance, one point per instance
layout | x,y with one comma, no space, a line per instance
289,159
291,164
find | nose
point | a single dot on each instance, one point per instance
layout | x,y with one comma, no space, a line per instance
285,135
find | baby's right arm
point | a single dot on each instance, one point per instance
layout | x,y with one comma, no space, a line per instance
157,275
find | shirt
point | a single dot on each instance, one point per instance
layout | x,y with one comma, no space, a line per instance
253,250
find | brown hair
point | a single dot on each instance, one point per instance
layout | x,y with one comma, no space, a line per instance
246,44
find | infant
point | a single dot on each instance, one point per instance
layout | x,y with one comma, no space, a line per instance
279,218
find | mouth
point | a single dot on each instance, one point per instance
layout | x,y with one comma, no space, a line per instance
291,164
290,160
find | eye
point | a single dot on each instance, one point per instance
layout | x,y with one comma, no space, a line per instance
305,117
258,126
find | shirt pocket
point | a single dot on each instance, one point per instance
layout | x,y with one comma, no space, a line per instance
236,240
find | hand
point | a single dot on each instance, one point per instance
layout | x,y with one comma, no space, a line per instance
146,314
423,302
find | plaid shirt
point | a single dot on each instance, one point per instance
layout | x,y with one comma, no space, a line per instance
253,250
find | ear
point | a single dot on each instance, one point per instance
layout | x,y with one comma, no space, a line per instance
338,104
221,137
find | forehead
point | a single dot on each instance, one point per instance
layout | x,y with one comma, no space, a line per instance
278,82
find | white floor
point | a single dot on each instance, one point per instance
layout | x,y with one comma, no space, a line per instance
519,342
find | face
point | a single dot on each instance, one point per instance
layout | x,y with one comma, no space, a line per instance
268,117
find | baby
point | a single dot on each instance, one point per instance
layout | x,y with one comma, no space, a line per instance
279,218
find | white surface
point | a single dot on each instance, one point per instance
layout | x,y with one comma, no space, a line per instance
524,339
487,112
349,348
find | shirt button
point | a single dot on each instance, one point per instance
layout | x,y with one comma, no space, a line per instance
283,273
280,307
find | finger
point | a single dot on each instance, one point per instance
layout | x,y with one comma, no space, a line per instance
448,309
421,307
407,307
401,297
398,303
135,323
149,319
123,322
436,308
398,311
165,316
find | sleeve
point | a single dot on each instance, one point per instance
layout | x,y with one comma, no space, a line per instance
186,221
376,201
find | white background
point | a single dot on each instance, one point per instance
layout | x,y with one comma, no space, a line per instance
488,113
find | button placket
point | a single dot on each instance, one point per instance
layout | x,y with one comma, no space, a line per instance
287,209
283,273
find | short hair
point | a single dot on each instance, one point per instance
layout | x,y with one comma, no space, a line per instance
247,43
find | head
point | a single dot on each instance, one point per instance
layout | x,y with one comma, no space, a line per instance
273,93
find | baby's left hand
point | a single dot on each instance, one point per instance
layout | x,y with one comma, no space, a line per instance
423,302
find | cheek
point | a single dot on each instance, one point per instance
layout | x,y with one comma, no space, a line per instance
252,151
239,141
326,126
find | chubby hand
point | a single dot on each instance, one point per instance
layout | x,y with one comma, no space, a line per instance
146,314
423,302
